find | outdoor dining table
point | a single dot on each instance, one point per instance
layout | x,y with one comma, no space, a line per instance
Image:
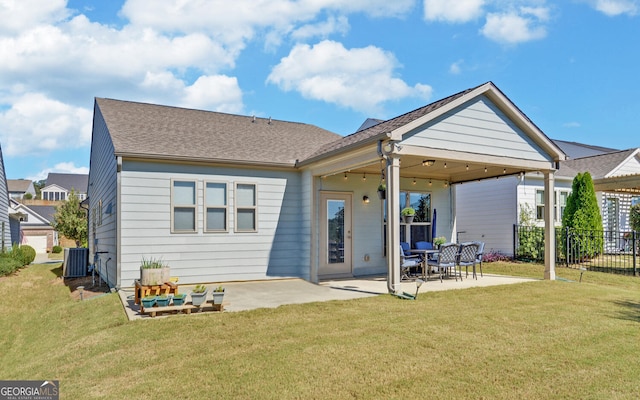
427,254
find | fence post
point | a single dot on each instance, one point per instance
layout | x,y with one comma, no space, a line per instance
634,252
515,237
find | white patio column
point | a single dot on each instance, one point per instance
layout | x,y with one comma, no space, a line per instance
393,223
549,230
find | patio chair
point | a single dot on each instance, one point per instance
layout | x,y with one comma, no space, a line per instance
407,262
467,257
406,247
479,255
445,260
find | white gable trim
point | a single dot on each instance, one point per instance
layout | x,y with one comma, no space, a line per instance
615,171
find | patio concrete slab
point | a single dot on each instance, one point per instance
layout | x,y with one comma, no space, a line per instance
241,296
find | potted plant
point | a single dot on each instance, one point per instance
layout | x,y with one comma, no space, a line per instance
382,191
152,272
198,295
162,300
438,241
218,295
148,301
408,213
179,299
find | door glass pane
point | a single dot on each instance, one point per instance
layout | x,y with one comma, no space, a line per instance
335,231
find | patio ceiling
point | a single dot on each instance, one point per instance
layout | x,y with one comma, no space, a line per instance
448,170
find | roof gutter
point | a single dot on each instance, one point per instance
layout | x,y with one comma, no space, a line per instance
377,138
199,160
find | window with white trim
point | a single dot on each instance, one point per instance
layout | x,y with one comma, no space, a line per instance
246,207
215,197
183,206
539,204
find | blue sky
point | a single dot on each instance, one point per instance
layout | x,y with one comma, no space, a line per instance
571,66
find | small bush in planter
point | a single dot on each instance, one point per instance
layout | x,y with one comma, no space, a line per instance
178,299
56,249
163,300
148,301
153,272
218,295
199,295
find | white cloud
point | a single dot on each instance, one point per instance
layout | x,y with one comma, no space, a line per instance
616,7
35,123
453,11
218,93
61,168
572,124
456,67
17,15
322,29
331,73
516,26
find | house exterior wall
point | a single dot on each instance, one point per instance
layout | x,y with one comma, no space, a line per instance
486,212
479,127
5,231
102,229
275,250
368,218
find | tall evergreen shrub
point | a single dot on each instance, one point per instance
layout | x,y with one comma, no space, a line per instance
582,219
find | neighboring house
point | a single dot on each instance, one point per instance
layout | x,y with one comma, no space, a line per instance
35,226
18,188
490,209
223,197
58,186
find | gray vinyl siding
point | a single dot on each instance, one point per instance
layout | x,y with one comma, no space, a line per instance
276,250
632,166
477,127
5,228
486,212
102,188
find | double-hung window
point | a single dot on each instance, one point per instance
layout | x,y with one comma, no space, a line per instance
215,207
246,207
539,204
183,206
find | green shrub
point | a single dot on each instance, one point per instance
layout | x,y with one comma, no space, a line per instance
56,249
582,219
8,264
634,217
28,254
24,254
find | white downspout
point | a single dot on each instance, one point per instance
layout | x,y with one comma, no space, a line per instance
393,223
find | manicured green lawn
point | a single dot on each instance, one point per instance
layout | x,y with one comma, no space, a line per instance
534,340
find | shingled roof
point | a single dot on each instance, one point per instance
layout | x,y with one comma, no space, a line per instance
598,166
77,182
172,133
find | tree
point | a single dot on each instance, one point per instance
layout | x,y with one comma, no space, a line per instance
71,220
582,218
38,185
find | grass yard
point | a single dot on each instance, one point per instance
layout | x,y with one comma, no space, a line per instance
534,340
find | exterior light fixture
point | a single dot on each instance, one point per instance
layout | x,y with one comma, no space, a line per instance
365,199
428,163
504,170
414,181
445,165
467,167
345,176
429,182
485,170
364,177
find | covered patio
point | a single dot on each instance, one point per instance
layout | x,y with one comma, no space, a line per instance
473,135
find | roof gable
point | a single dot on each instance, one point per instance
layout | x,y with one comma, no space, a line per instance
77,182
172,133
604,165
396,128
19,185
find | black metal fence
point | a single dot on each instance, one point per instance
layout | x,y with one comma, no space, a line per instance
607,251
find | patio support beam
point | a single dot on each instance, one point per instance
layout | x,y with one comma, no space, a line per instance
549,229
393,223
